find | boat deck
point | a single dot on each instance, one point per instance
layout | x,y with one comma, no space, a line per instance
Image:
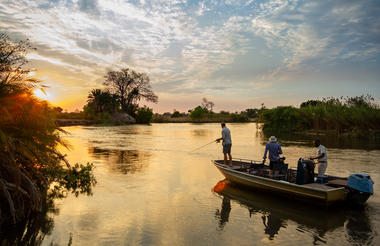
319,186
338,182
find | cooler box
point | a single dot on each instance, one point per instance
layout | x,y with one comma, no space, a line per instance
322,179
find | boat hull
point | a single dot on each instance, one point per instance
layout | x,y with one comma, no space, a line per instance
318,193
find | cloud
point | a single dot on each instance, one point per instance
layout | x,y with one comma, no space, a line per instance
34,56
195,47
89,6
317,33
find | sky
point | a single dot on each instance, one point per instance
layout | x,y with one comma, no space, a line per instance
237,54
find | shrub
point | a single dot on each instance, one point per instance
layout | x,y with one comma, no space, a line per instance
176,114
144,115
198,113
239,118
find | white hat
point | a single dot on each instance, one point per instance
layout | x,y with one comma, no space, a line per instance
273,139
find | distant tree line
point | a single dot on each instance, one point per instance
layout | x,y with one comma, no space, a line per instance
205,113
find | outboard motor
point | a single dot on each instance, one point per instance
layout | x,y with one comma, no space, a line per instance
305,172
361,187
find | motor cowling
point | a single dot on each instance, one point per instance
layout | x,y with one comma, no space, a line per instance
361,182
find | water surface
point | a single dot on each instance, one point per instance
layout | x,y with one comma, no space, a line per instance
152,190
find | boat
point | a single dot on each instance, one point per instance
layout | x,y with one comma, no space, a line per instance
301,184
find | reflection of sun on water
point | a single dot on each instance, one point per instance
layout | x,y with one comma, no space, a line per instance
42,94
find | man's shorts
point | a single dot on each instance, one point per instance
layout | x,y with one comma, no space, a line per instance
275,165
227,148
322,168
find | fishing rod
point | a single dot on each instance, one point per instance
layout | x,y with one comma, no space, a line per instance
203,146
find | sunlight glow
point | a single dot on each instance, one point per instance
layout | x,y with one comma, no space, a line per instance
42,94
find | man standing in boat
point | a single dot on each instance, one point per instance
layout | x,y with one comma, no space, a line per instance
227,143
321,156
275,150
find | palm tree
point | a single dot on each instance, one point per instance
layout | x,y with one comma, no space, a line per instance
102,101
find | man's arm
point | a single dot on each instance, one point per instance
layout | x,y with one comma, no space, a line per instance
319,155
218,139
265,153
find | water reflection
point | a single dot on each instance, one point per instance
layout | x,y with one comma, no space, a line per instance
272,224
33,230
123,161
223,215
359,228
200,132
275,216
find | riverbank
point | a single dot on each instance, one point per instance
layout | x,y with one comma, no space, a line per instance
211,118
72,119
74,122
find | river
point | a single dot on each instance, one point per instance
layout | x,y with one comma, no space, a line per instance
153,190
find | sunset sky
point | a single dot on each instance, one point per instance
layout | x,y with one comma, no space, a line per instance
237,54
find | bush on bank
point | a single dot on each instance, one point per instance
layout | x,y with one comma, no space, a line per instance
144,115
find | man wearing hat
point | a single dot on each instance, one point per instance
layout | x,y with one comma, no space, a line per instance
227,143
275,150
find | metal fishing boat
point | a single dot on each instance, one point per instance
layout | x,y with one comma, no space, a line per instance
301,183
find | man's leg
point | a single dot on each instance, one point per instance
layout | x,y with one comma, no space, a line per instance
322,168
229,155
225,158
270,167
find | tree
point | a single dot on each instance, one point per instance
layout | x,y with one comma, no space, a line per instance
251,112
29,137
102,101
13,77
130,87
198,113
207,105
175,114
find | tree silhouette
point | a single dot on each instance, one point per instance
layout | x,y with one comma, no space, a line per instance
102,101
207,105
13,77
130,87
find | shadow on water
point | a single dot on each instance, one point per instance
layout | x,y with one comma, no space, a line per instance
36,226
33,230
123,161
276,215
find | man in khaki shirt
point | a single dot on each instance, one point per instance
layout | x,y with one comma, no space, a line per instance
322,158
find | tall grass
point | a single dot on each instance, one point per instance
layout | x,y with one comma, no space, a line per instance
355,114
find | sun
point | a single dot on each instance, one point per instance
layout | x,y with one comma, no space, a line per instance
42,94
